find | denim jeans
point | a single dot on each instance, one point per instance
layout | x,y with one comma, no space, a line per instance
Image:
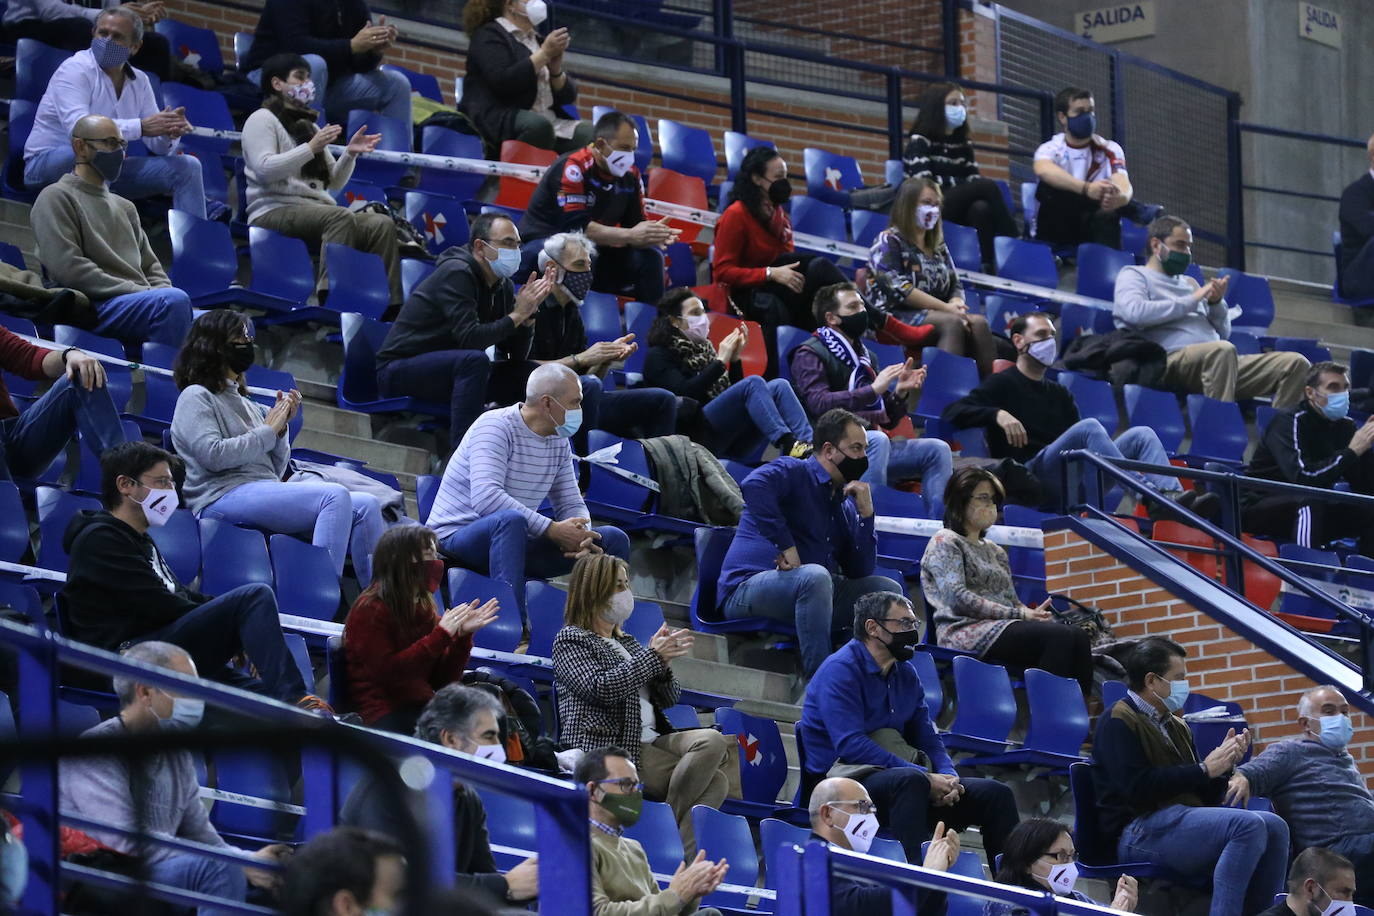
1245,852
204,875
1139,443
376,90
456,377
142,176
632,413
816,600
752,413
499,546
30,441
339,521
890,461
149,316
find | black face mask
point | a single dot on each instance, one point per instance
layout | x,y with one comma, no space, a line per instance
902,645
851,469
854,326
780,192
240,357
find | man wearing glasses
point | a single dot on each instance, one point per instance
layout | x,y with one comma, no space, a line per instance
865,718
622,881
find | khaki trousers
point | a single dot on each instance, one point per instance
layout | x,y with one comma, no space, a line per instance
685,769
1214,369
371,232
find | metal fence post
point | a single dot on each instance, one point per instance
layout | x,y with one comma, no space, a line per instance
949,26
722,26
1118,99
894,113
739,116
38,717
1235,195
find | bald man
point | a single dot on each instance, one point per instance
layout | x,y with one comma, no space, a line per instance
843,815
1357,234
1315,786
90,239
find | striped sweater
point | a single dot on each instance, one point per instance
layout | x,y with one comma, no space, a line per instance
946,163
503,464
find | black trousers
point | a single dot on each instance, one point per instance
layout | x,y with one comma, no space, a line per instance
979,203
74,34
1307,522
902,795
773,305
1049,646
1070,218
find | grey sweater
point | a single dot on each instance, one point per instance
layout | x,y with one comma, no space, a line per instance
91,240
1159,307
1316,790
224,442
272,163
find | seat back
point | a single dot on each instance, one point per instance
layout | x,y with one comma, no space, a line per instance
963,245
502,634
357,281
516,192
867,224
1157,410
682,716
240,557
22,114
762,758
601,317
14,524
281,265
656,830
688,150
1003,310
55,510
243,43
362,338
179,543
1076,320
645,620
440,141
788,340
727,835
441,220
1218,429
257,775
1098,266
1058,716
899,503
193,46
307,584
711,545
1094,398
510,822
1308,347
203,256
397,136
300,654
612,490
813,216
1251,292
1177,533
948,378
203,109
830,176
1093,848
413,273
427,85
34,66
544,605
931,685
686,191
336,666
426,488
987,708
1025,261
736,145
774,835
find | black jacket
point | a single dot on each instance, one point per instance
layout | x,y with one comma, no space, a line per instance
1357,216
454,309
1045,409
118,586
323,27
664,368
1302,446
500,83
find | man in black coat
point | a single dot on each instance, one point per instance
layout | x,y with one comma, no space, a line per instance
344,48
1357,234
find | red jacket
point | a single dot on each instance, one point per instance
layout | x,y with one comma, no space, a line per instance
389,669
24,360
745,248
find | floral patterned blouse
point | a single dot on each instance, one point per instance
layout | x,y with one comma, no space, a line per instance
896,267
969,585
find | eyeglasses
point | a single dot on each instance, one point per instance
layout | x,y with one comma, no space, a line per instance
1062,858
625,784
984,498
160,483
904,624
107,143
861,805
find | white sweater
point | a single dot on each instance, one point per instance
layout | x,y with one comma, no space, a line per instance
273,162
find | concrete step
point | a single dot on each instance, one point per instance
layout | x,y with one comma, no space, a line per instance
325,417
734,681
384,456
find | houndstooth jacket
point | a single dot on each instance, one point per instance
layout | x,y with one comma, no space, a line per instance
598,690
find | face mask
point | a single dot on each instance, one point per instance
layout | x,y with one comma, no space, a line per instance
576,283
158,506
1044,351
903,644
624,808
507,261
1178,695
780,192
1174,262
699,326
304,93
618,161
1337,405
240,357
1336,731
108,163
927,215
854,326
1082,126
1334,907
536,11
955,115
851,469
108,53
860,830
496,753
186,715
622,606
1063,877
433,571
572,422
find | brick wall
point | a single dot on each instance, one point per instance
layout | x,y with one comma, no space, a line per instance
1221,663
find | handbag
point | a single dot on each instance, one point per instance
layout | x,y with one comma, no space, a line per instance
1086,618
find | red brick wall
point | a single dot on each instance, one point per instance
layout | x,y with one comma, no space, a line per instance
1221,663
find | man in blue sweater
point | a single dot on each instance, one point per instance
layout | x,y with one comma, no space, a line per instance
865,717
1315,787
1162,804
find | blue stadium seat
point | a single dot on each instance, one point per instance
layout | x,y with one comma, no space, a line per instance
282,267
55,510
11,255
397,135
1256,300
1077,320
1134,239
20,126
986,707
441,220
682,716
948,378
1058,719
440,141
502,634
426,488
413,271
1098,266
203,109
510,822
1246,343
623,501
195,47
970,866
1003,310
1308,347
24,599
357,190
728,836
1111,692
682,266
789,339
205,264
899,503
830,176
962,242
179,543
656,830
894,171
243,43
811,216
930,682
357,281
307,585
427,85
711,545
867,224
688,150
118,379
336,669
544,605
1158,410
357,389
1096,854
240,557
300,654
601,317
34,66
258,775
645,620
762,761
736,145
1094,398
14,524
773,834
1219,432
1027,262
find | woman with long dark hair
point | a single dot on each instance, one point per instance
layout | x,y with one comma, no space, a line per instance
238,455
1039,855
398,648
939,148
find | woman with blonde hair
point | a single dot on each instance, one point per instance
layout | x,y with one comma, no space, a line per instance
612,691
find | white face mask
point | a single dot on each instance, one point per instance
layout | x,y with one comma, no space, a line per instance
1063,878
1335,907
537,11
927,215
622,606
860,829
496,753
158,506
699,326
1044,351
619,161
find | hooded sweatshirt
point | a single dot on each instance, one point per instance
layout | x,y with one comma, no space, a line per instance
119,588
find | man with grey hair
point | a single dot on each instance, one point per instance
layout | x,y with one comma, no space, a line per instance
464,719
1314,785
102,81
161,794
1357,234
486,512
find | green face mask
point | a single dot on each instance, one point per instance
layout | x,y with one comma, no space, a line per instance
624,808
1174,262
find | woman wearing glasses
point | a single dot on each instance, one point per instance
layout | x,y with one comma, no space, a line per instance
967,580
1039,855
612,691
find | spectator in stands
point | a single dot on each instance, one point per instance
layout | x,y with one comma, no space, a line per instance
1040,856
399,648
1319,881
854,897
344,48
1357,230
612,688
622,881
806,548
739,413
162,795
940,149
1315,786
14,861
1034,420
598,190
467,720
486,512
1314,444
67,25
516,87
835,369
967,579
291,173
911,273
436,349
101,81
76,400
238,454
120,589
1192,323
1158,802
865,716
90,240
345,872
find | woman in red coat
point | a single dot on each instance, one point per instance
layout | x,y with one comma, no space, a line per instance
398,648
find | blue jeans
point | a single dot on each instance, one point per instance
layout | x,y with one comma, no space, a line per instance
456,377
1245,852
30,441
499,546
632,413
338,520
207,876
752,412
142,176
150,316
816,600
1139,443
890,462
376,90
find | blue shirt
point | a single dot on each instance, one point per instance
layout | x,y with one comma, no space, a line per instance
848,698
791,502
